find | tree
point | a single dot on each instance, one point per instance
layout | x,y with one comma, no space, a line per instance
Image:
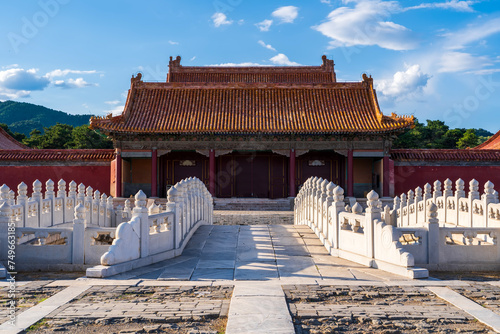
412,138
16,135
57,136
451,137
34,140
83,137
433,134
469,139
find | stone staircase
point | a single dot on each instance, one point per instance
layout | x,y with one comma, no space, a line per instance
253,204
253,211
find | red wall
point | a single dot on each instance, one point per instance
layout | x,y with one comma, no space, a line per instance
98,177
411,177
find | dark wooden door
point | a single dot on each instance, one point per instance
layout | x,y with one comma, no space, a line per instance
252,174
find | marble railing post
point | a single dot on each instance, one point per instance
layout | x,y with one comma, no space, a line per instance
488,198
5,218
36,196
404,205
109,213
88,204
418,199
372,212
321,210
335,210
79,235
141,211
459,193
61,193
448,192
96,202
22,199
173,205
473,195
433,244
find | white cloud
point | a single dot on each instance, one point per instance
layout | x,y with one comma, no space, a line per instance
267,46
404,83
173,43
281,59
19,83
325,1
220,19
118,110
115,102
73,83
286,14
458,5
240,22
461,61
264,25
63,73
192,58
366,24
473,33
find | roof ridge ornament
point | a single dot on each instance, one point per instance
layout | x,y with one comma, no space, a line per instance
327,63
136,79
368,79
174,62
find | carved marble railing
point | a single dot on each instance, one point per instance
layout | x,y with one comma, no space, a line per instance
74,245
431,230
454,208
150,235
353,233
51,208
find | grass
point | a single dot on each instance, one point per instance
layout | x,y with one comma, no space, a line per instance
38,325
220,325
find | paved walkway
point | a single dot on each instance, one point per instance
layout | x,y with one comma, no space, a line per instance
259,262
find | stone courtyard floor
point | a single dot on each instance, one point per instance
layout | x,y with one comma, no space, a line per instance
253,279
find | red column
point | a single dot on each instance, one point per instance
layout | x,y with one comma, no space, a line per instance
350,174
211,176
118,174
386,177
154,173
291,187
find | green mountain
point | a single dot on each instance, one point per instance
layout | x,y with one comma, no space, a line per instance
25,117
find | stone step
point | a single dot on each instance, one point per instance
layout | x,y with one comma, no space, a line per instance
253,204
225,217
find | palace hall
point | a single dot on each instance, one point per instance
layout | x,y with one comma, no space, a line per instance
251,131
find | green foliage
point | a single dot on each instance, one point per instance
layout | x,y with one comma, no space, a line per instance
437,135
16,135
61,136
470,139
83,137
24,117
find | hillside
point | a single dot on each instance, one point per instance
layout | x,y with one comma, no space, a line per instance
25,117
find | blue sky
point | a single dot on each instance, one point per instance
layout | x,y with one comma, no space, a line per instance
432,59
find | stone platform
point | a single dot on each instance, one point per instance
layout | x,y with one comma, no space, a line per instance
226,217
253,204
258,279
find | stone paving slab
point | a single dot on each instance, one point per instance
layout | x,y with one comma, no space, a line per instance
354,309
253,270
251,312
38,312
480,313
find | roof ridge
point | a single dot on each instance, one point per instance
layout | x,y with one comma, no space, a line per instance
7,136
492,139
